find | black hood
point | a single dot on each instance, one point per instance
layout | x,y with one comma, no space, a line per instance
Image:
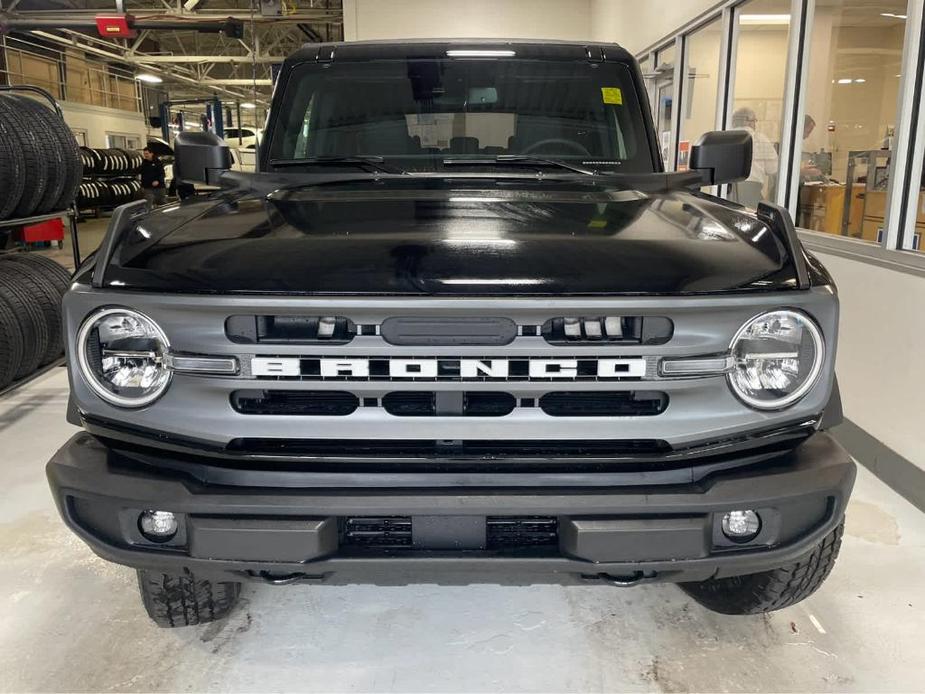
443,238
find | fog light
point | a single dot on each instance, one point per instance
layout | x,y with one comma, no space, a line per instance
741,526
158,526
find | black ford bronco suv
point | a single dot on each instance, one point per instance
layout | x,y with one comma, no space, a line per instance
459,326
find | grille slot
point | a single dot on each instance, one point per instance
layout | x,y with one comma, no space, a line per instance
410,404
604,404
522,531
295,402
285,329
426,404
634,330
376,531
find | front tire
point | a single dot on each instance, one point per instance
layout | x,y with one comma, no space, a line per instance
770,590
181,599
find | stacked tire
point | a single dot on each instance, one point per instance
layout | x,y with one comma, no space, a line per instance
107,192
40,163
110,162
31,288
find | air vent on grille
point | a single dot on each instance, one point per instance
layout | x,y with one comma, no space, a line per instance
645,330
376,531
448,404
294,402
326,330
604,404
522,531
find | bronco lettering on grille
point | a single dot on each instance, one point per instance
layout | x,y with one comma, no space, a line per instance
447,369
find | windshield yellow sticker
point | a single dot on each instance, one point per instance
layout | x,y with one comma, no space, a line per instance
612,95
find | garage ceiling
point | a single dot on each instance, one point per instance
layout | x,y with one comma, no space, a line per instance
192,63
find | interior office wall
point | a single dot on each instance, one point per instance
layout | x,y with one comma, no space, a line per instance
761,55
879,362
543,19
96,121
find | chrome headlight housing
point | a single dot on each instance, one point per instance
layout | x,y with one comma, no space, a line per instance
122,357
776,358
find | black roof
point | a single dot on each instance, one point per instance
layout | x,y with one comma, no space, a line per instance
437,48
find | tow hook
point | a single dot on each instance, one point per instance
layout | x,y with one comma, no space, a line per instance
622,581
286,579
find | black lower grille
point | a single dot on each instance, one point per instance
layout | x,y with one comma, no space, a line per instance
522,531
376,531
423,448
294,402
501,532
621,403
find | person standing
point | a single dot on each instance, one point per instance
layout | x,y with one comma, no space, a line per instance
764,161
153,180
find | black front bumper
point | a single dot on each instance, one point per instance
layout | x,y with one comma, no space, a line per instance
632,531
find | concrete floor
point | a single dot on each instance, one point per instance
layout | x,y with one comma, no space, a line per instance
71,621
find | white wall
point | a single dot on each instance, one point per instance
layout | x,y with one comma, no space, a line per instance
396,19
637,24
880,362
96,121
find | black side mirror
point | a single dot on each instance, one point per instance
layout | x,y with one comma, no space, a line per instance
722,156
200,158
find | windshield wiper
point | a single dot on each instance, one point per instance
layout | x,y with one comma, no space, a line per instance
370,163
517,160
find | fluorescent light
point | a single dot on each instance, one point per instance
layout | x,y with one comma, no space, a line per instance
893,15
860,80
149,78
845,80
480,54
764,19
248,105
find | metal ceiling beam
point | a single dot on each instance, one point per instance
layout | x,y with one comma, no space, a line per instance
239,82
181,59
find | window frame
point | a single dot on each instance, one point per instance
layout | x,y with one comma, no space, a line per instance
908,157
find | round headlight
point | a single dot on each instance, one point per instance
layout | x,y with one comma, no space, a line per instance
777,357
121,354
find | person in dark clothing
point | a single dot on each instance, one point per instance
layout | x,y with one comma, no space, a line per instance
153,183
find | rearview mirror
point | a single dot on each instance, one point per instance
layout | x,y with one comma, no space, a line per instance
200,157
722,156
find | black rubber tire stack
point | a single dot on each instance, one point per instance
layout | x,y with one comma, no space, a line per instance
40,164
31,288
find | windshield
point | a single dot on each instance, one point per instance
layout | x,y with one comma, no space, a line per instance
419,113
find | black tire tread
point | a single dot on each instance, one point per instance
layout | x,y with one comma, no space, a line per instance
770,590
46,127
47,298
35,164
32,323
11,343
178,600
12,168
56,273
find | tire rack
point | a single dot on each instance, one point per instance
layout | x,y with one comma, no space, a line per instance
71,212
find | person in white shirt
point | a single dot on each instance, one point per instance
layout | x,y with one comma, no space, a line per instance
764,161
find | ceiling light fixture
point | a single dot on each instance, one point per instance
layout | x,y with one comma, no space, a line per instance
149,78
248,105
845,80
893,15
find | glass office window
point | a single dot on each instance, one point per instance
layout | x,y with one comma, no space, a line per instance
758,92
701,82
854,71
663,110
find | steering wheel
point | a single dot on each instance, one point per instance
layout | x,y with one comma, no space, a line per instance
570,144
